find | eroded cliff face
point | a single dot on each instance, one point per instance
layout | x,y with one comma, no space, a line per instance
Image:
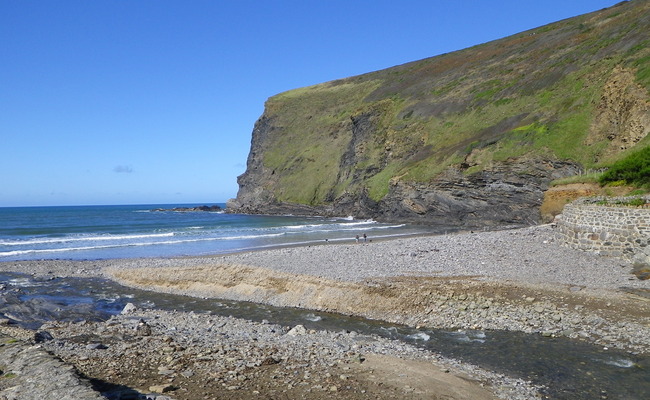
471,138
509,193
623,112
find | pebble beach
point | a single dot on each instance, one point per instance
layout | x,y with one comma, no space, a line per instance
529,255
519,279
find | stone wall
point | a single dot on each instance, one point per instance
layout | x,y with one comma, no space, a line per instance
609,229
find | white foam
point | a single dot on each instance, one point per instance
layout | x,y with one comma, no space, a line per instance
391,329
248,236
313,317
419,336
23,282
621,363
466,337
82,239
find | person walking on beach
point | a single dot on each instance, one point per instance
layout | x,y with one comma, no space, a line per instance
357,238
365,238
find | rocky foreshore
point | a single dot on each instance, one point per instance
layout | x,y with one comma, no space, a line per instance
521,280
162,355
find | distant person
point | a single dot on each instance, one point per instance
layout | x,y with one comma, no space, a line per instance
365,237
357,238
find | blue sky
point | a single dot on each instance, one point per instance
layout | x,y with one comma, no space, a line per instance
154,101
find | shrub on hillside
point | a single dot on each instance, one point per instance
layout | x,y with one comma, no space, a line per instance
633,170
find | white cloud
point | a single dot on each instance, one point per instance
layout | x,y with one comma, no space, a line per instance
123,169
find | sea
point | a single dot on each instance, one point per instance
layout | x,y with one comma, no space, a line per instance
139,231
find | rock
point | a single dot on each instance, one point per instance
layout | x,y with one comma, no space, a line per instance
358,358
164,388
143,329
297,330
36,374
96,346
641,271
42,336
129,308
165,371
269,361
213,208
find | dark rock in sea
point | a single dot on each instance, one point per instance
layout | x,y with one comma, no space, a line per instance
212,208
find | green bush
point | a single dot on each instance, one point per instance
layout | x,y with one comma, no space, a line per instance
633,170
629,202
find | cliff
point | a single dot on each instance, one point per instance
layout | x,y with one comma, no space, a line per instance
467,138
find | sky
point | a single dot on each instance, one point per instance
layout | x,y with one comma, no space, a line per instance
154,101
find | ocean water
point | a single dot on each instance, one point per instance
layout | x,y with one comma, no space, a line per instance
134,231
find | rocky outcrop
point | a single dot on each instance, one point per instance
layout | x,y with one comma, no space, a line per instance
624,112
29,372
213,208
510,193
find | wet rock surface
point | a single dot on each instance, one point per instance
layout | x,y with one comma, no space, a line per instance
28,371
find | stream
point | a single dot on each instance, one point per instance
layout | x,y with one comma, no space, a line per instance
569,369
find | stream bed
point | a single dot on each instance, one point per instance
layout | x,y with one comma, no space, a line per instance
569,369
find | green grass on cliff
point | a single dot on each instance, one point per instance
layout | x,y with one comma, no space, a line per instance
306,153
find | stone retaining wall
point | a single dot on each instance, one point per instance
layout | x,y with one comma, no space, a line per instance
608,229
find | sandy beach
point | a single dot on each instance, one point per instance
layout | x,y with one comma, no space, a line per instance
520,280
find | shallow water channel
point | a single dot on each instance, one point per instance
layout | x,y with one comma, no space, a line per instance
569,369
